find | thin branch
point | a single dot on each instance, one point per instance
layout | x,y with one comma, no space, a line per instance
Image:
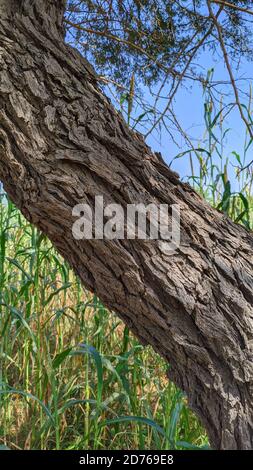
125,42
231,5
182,75
168,70
229,69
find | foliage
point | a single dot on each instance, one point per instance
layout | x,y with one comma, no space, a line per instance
71,375
151,38
163,47
225,180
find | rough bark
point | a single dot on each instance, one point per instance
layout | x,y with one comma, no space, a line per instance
62,143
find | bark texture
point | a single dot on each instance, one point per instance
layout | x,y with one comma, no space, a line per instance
62,143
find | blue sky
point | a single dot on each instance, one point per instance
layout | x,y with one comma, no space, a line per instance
189,108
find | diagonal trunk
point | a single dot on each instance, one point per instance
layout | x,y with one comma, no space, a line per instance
62,143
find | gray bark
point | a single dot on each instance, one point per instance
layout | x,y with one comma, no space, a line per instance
62,143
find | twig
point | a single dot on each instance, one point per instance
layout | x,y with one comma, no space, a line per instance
231,5
168,70
229,69
122,41
182,75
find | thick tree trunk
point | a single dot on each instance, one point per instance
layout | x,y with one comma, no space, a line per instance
62,143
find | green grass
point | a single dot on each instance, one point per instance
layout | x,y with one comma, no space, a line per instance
71,374
223,179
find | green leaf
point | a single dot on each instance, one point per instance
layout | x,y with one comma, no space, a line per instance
59,358
14,391
238,158
56,292
18,265
86,349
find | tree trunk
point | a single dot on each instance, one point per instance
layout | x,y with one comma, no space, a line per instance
62,143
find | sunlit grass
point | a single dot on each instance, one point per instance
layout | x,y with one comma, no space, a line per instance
71,375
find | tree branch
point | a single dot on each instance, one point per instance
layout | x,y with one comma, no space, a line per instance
229,69
232,6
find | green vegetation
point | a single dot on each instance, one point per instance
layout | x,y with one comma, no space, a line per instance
71,374
223,180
